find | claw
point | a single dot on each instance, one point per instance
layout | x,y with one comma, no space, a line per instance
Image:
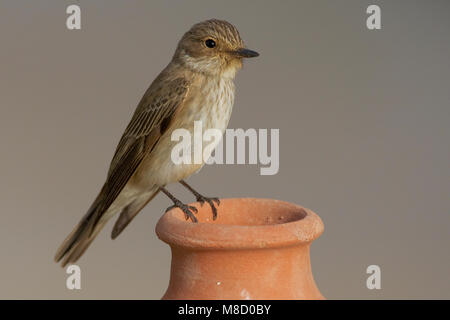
210,201
193,209
188,210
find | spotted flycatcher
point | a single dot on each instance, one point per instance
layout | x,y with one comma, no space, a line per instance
197,85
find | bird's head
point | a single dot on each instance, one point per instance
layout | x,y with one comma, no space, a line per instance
213,47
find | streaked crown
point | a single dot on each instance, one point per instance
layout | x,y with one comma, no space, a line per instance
212,47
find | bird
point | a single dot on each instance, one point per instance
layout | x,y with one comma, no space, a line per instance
197,85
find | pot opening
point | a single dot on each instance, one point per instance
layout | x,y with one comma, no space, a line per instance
248,212
242,223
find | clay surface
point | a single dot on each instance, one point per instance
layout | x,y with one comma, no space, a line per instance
255,249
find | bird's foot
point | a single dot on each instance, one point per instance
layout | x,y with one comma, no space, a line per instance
188,210
203,199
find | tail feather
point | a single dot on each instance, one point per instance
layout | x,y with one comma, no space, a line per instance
81,245
82,235
76,234
93,222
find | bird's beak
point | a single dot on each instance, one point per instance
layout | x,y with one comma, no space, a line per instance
245,53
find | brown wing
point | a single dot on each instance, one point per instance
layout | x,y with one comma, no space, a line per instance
153,113
157,104
142,133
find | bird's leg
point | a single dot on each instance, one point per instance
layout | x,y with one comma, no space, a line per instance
202,199
188,210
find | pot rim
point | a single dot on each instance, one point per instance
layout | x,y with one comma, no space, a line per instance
176,231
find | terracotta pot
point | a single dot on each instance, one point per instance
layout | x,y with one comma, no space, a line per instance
256,249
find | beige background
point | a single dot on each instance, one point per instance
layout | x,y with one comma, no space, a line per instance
364,127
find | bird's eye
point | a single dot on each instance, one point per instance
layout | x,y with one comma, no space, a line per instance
210,43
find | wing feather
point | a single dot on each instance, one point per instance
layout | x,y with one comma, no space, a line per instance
158,103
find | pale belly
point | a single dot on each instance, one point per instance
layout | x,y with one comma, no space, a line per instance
211,110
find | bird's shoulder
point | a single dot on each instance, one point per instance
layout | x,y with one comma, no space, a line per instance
163,97
166,93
